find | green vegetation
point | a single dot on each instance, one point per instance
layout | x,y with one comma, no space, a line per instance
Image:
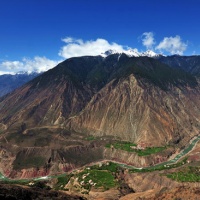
12,181
41,184
150,150
90,138
110,166
96,178
97,76
128,146
189,174
62,181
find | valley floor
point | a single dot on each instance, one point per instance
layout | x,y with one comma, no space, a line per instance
126,182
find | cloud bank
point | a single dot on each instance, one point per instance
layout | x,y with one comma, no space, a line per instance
78,47
72,48
37,64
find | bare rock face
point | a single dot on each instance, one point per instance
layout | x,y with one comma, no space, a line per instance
131,111
30,162
181,192
107,195
141,182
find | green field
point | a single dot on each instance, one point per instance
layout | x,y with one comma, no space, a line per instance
110,166
97,178
150,150
62,181
90,138
189,174
128,146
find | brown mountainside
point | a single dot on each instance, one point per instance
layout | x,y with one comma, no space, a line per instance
134,99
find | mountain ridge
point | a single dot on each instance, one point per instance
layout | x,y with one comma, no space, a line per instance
132,53
68,90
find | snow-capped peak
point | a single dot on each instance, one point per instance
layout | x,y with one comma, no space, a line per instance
110,52
149,53
27,72
131,53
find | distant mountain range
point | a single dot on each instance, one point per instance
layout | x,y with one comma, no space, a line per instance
10,82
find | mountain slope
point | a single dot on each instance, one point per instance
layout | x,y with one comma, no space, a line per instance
49,97
132,111
138,99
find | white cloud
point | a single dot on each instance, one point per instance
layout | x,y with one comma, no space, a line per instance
11,65
68,40
78,47
5,72
173,45
38,64
72,48
148,40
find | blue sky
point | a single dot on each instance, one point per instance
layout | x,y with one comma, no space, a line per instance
37,34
